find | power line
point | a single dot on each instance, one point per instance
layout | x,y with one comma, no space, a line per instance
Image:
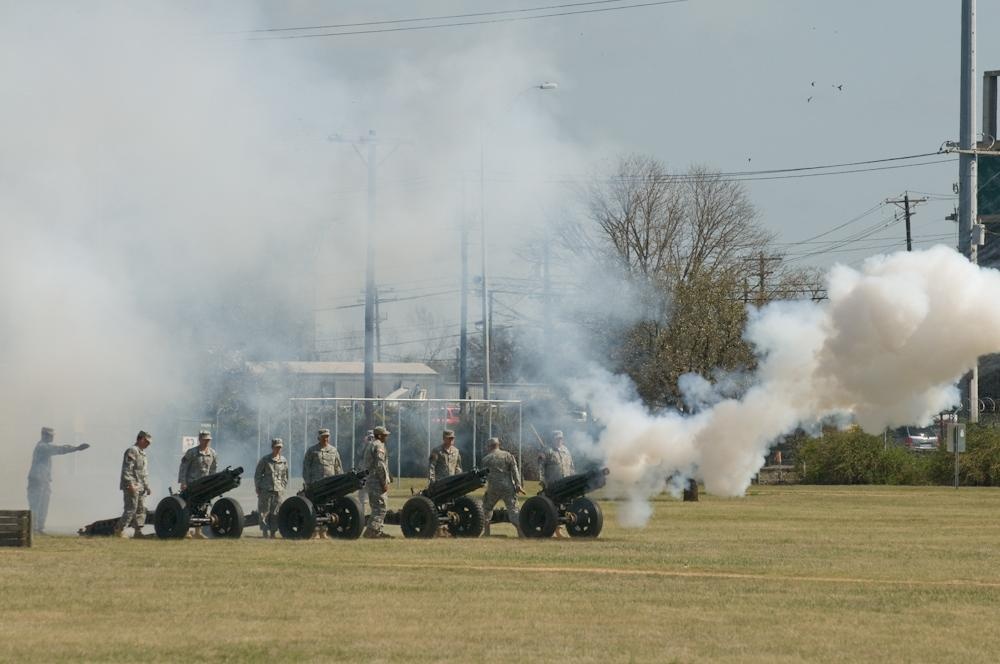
445,17
508,19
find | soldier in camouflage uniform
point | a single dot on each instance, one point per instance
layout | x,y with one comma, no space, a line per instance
198,462
270,480
555,463
503,483
321,460
377,482
40,475
134,485
445,459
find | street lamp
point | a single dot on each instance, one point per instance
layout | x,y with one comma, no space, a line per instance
545,85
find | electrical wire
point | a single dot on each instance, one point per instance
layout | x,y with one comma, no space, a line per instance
507,19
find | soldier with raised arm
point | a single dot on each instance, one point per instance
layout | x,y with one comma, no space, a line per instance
40,475
503,483
554,463
270,480
198,462
377,482
134,484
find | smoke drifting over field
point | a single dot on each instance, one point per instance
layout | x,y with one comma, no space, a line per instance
885,350
168,194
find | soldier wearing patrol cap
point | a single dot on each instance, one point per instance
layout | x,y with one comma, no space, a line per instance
196,463
40,475
134,484
554,463
377,482
321,460
270,480
445,459
503,483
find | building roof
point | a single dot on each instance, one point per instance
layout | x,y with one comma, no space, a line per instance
342,368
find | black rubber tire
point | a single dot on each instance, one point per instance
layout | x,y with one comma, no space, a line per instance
539,517
350,522
227,519
296,518
471,519
589,518
419,518
172,518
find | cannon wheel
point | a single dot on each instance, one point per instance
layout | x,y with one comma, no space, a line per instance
227,518
419,518
350,522
172,518
296,518
539,517
589,518
470,518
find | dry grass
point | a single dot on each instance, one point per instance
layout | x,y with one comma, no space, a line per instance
786,574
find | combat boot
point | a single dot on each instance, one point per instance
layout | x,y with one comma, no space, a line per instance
137,534
198,534
486,530
120,532
560,533
323,534
377,534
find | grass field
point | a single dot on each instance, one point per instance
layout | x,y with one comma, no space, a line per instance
785,574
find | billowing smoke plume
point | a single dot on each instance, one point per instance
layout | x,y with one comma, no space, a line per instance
886,350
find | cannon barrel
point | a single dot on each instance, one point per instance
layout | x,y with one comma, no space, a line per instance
575,486
211,486
336,486
448,489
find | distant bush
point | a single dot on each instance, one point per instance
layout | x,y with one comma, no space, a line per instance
854,457
979,466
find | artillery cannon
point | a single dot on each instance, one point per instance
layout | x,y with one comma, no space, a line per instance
325,502
193,507
564,502
445,503
106,527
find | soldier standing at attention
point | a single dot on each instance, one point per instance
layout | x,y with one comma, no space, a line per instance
135,486
445,459
377,482
198,462
555,463
270,480
321,460
503,483
40,476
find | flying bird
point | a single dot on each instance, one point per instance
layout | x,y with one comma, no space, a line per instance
809,100
839,87
813,84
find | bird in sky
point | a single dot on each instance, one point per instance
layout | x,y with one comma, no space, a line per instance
809,100
839,87
813,84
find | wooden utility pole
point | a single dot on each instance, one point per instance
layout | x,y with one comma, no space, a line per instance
905,202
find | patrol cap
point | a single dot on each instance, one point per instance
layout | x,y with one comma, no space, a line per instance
447,433
205,435
493,442
277,442
380,431
48,431
557,434
142,434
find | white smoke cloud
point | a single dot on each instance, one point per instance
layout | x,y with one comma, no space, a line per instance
886,350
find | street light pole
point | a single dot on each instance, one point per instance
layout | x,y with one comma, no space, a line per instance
547,85
967,212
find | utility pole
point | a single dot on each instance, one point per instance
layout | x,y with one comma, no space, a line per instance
378,328
463,340
905,202
482,221
967,166
370,307
547,298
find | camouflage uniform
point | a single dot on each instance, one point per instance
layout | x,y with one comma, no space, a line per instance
196,463
444,463
377,465
320,462
134,474
270,479
40,479
503,483
555,463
